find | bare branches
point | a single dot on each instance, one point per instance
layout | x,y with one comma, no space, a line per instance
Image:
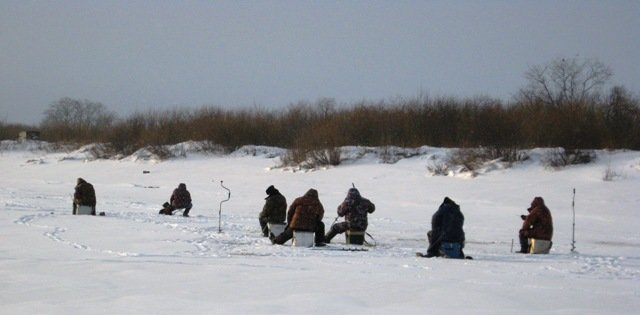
566,81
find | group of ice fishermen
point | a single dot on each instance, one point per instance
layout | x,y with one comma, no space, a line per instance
446,237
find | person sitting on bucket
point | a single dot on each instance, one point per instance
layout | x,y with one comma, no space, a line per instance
446,237
537,225
355,209
274,210
84,195
180,199
305,214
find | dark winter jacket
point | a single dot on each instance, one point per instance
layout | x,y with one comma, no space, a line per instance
447,222
355,209
84,194
275,207
305,212
181,197
538,224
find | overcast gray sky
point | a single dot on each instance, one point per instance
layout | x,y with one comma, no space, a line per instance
139,55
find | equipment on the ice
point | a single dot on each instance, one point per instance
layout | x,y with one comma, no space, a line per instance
87,210
303,239
423,255
573,233
539,246
276,228
354,237
220,210
451,250
341,248
334,222
371,237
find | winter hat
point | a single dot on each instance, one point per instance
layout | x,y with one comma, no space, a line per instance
182,186
537,202
312,193
448,201
271,190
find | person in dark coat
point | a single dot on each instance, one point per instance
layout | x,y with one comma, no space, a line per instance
355,209
180,199
84,195
537,225
446,237
274,210
305,214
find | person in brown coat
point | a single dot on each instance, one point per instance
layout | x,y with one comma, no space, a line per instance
538,224
84,195
305,214
180,199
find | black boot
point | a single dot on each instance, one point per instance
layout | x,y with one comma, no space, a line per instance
524,245
329,236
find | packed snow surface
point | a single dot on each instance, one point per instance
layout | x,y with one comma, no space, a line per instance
134,261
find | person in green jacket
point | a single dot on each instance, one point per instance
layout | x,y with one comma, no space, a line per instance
274,210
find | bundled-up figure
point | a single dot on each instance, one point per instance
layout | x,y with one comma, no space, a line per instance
305,214
446,237
354,209
274,210
537,225
84,195
180,199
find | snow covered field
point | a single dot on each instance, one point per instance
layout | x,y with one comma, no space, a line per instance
134,261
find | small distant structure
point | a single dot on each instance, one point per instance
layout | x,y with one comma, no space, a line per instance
28,135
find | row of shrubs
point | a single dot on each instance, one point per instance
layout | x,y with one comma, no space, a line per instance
309,127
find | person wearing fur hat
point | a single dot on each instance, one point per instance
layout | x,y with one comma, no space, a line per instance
355,209
180,199
84,195
537,225
446,237
274,210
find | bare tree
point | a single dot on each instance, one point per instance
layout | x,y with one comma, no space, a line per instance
326,107
565,81
73,119
622,117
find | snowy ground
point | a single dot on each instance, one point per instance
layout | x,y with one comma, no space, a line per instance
133,261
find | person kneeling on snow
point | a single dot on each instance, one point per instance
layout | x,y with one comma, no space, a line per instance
305,214
355,209
537,225
274,210
180,199
84,195
446,237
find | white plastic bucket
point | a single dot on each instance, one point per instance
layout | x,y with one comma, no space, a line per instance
303,239
539,246
84,210
276,228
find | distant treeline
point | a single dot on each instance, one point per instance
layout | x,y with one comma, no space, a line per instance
439,122
539,117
